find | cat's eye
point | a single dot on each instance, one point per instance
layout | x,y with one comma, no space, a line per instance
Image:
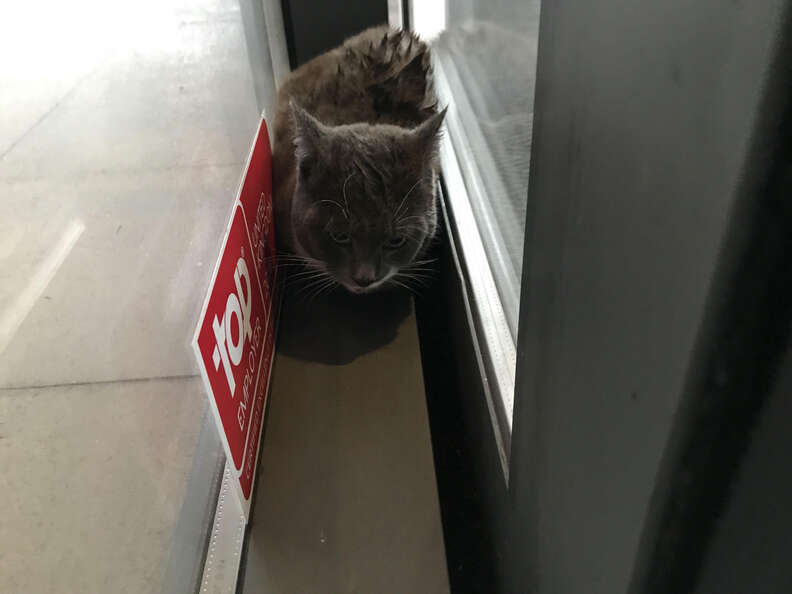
395,242
340,238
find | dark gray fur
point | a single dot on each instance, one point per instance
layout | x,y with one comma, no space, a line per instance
355,160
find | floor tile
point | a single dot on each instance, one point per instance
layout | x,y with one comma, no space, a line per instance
124,301
190,103
92,484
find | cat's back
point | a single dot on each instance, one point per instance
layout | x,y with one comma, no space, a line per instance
381,75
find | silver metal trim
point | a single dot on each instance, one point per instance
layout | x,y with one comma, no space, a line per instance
276,39
187,555
396,14
496,426
463,134
498,348
221,569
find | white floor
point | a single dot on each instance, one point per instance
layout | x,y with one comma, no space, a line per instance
123,131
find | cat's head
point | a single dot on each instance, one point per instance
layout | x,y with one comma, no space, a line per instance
364,205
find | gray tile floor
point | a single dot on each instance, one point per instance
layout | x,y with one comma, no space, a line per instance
123,131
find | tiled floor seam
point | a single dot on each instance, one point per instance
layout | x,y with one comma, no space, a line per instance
99,382
46,114
119,172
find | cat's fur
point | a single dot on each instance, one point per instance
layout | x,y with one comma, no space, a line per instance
355,160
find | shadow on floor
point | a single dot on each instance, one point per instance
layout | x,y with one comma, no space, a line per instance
338,327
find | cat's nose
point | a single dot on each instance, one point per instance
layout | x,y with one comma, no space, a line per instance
363,280
364,275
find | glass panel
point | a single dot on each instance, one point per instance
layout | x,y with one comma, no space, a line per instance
487,57
123,131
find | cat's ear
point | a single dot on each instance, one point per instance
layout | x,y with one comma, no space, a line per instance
427,135
308,135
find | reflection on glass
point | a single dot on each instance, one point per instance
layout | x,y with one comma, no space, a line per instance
487,55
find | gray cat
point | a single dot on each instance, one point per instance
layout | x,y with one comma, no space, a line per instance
355,162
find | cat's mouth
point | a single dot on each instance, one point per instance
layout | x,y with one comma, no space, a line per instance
357,289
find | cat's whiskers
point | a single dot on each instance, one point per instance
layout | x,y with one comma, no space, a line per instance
306,275
425,270
414,232
343,210
329,284
292,260
419,266
319,287
419,272
311,284
420,217
288,260
291,265
424,261
404,200
416,278
343,191
398,283
283,256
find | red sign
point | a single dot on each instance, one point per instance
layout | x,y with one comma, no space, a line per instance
234,340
